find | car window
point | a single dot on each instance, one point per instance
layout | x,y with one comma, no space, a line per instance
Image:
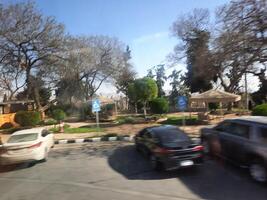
23,138
263,135
224,126
240,130
172,136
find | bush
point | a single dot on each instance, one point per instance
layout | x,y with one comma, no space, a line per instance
58,114
159,105
7,125
179,121
213,106
27,118
260,110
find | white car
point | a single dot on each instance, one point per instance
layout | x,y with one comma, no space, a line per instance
26,146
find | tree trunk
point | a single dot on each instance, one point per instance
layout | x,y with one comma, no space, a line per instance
36,97
135,108
145,109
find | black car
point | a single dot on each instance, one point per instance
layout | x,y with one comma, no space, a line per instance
242,141
168,148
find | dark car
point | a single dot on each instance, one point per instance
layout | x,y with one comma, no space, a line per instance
241,140
168,148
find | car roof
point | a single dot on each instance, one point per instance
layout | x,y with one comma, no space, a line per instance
32,130
254,119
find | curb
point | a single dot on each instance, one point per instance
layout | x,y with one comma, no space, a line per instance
96,139
106,139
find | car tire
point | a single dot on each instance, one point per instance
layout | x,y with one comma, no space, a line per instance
258,171
155,164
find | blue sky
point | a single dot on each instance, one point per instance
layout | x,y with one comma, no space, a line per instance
144,25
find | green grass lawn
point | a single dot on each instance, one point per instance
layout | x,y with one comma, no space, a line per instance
67,129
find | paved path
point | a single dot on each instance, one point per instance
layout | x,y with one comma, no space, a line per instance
115,171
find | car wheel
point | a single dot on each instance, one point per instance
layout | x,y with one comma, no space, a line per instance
258,171
155,164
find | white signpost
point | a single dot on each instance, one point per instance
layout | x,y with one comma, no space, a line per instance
96,107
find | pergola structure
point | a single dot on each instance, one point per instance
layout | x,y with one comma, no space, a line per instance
214,96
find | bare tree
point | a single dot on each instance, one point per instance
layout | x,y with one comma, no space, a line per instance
241,43
29,42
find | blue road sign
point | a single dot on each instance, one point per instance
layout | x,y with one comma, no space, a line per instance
96,106
182,103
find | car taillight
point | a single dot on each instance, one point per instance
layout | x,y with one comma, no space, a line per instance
35,145
198,148
161,150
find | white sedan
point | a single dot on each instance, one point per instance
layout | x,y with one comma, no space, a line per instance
26,146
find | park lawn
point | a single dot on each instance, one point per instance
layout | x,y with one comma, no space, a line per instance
77,130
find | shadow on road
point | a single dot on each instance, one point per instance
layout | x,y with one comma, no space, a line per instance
212,180
15,167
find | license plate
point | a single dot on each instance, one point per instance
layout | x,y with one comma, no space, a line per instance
186,163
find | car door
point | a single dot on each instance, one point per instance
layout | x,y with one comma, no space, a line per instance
219,145
47,138
234,140
150,141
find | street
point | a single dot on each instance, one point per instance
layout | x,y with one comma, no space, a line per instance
115,171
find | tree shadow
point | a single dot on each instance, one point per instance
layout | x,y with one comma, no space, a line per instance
212,180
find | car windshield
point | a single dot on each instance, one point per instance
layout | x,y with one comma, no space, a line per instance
172,136
23,138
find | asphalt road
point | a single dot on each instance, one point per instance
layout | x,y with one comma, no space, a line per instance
115,171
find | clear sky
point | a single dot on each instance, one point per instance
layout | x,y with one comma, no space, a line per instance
144,25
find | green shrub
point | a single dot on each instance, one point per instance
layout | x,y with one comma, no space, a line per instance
48,122
7,125
260,110
213,106
159,105
58,114
193,120
27,118
125,120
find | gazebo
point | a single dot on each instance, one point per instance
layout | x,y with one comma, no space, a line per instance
213,96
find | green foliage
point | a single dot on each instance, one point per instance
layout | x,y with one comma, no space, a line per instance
27,118
58,114
125,120
214,106
159,105
193,120
48,122
146,89
68,129
160,76
260,110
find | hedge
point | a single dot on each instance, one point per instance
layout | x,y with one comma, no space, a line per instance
27,118
260,110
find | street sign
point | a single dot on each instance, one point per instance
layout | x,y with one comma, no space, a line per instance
182,103
96,106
